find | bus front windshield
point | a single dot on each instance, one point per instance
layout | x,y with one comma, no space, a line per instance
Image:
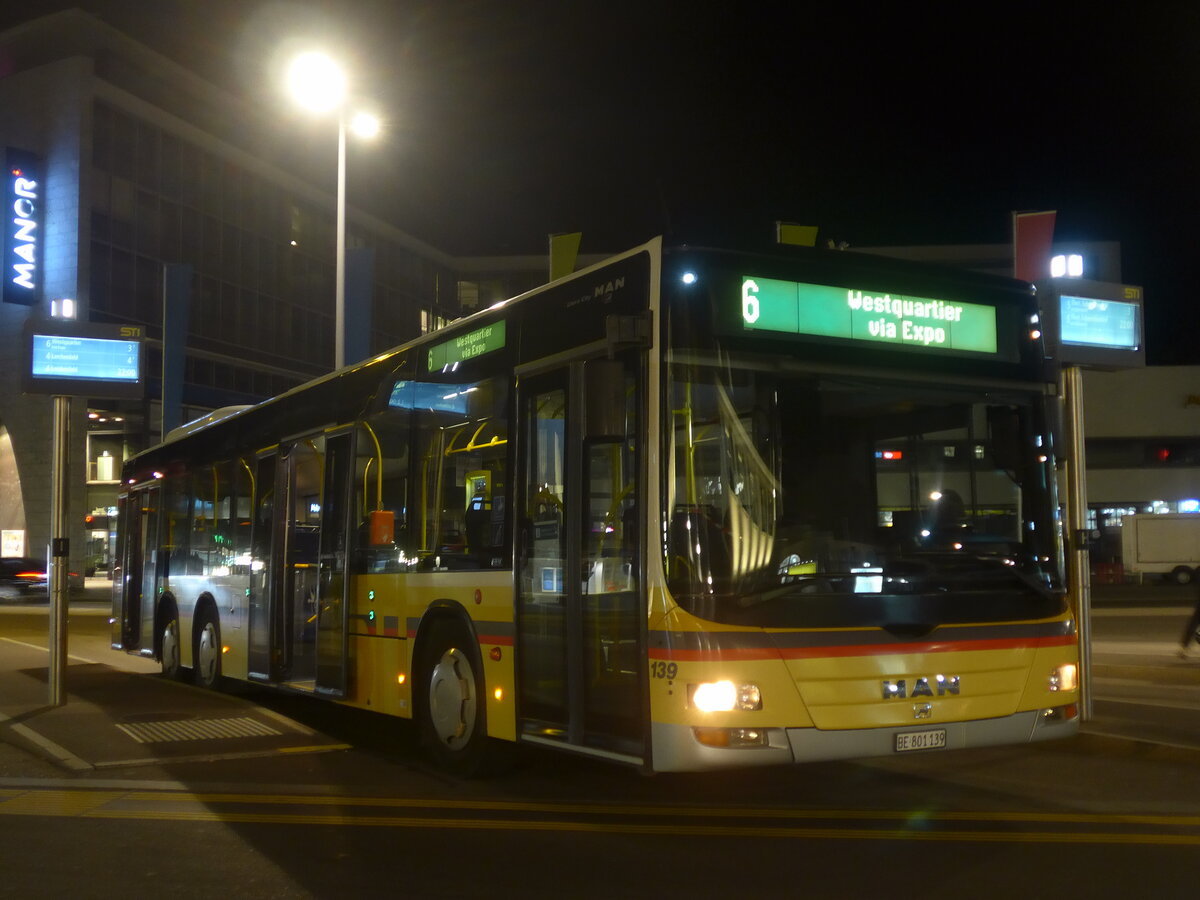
815,500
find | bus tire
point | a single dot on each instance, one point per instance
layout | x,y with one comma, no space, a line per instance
1182,575
453,724
169,649
206,649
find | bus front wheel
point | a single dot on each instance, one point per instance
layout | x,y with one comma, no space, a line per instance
453,725
206,653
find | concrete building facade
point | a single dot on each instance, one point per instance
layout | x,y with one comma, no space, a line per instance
140,164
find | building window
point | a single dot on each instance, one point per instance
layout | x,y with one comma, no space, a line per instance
105,453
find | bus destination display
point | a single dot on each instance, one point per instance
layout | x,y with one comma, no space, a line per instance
793,307
85,358
466,346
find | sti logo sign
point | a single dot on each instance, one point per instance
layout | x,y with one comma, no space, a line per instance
23,201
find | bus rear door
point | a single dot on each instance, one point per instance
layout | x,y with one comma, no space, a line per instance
138,560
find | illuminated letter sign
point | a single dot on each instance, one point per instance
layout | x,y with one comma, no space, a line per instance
888,318
23,229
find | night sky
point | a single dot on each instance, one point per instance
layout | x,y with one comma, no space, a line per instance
881,124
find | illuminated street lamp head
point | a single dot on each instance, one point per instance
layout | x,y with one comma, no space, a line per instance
365,125
316,82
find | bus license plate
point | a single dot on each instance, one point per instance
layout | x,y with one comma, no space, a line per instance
920,740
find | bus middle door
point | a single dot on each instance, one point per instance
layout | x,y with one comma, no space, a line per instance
298,608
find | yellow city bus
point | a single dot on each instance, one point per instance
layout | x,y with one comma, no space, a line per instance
685,509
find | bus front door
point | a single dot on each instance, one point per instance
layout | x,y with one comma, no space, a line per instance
581,612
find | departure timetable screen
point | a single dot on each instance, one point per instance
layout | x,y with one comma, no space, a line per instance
85,358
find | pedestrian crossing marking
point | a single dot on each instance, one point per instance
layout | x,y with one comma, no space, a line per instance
197,730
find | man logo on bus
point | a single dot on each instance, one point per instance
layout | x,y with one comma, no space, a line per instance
921,687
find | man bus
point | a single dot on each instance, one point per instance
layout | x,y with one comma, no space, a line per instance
685,509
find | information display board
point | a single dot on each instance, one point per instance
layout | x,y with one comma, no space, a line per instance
83,359
1097,322
1093,323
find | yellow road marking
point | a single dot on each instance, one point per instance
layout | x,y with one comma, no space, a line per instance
686,811
180,806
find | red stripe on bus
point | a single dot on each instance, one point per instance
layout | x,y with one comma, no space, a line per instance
760,653
495,639
737,653
502,640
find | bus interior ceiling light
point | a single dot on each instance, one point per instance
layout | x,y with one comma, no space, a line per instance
688,278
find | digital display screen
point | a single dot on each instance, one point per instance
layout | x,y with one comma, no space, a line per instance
1088,322
449,398
85,358
552,580
466,346
922,323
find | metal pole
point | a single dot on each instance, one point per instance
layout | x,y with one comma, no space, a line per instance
339,351
59,549
1078,567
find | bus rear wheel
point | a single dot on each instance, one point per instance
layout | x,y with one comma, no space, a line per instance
172,667
1182,575
206,654
452,715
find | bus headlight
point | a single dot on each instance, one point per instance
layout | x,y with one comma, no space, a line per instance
723,696
1064,678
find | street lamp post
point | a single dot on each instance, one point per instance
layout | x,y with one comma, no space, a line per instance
319,84
339,304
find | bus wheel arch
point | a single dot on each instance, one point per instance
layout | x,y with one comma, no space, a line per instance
206,643
449,700
167,641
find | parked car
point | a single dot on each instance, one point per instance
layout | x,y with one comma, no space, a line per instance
22,576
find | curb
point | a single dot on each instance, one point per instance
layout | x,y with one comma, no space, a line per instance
1126,746
1184,672
29,741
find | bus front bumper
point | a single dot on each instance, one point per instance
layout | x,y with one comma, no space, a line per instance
682,748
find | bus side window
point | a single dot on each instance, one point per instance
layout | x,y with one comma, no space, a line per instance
382,541
241,514
177,526
462,464
211,527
